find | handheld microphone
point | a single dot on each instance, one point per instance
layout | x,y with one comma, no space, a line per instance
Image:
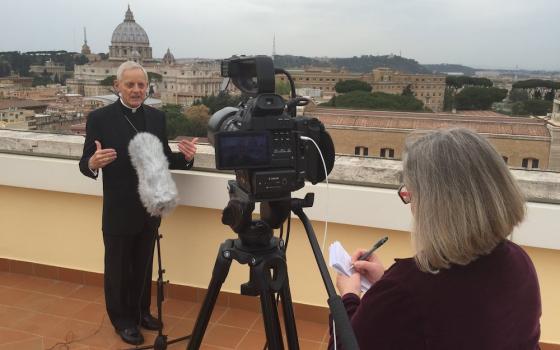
158,192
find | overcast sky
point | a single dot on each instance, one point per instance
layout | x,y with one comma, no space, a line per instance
479,33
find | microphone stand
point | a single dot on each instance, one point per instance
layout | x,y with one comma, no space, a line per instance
161,341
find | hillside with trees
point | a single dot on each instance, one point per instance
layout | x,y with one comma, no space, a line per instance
358,64
18,63
15,62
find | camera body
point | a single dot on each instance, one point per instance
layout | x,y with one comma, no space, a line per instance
261,139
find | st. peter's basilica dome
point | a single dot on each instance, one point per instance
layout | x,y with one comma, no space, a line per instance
129,37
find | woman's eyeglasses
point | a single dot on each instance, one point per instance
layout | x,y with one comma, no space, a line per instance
404,194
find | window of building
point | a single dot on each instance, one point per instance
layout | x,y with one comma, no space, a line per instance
387,153
532,163
361,151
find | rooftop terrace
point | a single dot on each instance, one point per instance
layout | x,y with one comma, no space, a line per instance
50,227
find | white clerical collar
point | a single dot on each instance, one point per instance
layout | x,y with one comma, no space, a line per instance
132,109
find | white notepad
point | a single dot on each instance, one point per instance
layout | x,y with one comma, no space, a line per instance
340,260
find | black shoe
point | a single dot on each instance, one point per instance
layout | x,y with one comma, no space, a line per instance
150,322
131,335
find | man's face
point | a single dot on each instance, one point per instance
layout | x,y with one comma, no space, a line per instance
132,87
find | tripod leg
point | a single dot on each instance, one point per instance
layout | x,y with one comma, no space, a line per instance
289,318
271,322
267,284
219,274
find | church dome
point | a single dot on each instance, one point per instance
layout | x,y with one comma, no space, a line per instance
168,58
129,32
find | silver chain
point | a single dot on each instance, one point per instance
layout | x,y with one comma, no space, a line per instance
129,122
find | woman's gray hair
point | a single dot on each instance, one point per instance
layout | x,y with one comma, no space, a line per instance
464,199
129,65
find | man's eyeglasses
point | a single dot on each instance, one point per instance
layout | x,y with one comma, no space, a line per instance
404,194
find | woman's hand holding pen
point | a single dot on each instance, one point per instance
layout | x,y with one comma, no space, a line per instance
348,284
365,264
372,268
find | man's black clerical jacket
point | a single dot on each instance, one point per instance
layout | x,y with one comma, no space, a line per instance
123,213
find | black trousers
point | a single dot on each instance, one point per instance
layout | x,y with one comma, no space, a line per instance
128,276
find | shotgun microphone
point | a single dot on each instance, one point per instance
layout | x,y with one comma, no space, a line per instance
158,192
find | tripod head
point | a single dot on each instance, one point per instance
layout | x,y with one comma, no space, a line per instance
238,215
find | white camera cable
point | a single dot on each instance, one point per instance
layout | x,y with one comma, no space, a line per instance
327,181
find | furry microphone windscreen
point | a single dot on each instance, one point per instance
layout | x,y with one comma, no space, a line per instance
157,189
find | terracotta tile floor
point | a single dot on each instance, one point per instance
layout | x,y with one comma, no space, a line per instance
38,313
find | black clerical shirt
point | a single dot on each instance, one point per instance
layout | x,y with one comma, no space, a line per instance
135,117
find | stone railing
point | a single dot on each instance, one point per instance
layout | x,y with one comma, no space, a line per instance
539,186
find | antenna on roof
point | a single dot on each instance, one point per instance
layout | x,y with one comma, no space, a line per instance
273,46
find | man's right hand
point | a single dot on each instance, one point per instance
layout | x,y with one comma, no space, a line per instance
101,157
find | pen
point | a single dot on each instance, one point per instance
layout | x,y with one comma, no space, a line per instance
367,254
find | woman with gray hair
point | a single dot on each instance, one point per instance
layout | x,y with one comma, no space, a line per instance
467,286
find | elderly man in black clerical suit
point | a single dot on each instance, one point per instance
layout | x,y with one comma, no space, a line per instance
128,230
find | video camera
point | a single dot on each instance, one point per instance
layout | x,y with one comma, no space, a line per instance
263,140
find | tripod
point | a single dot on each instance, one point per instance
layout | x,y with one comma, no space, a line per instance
261,260
161,341
257,247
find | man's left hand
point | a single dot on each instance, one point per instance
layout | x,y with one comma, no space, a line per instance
188,148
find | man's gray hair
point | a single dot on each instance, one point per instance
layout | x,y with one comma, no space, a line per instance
129,65
464,199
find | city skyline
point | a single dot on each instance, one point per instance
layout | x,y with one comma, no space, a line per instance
481,34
